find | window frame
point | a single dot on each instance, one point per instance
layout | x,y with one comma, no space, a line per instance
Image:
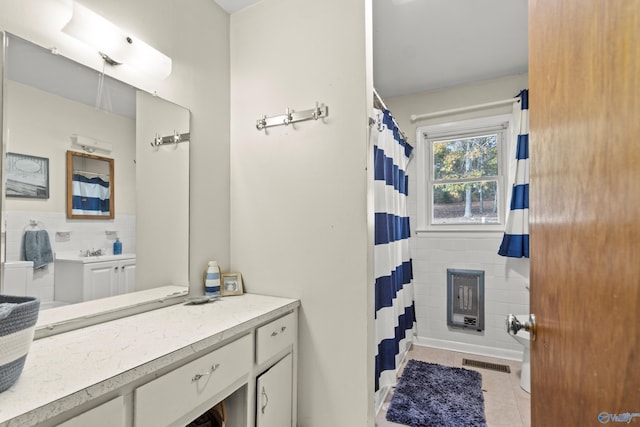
426,135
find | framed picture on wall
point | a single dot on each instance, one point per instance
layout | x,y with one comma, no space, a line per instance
27,176
231,284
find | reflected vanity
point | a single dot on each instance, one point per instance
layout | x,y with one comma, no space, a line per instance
72,103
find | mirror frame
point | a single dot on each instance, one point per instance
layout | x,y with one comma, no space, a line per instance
70,172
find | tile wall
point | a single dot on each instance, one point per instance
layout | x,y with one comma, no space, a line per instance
83,234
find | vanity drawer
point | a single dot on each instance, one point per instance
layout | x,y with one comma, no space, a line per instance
165,400
275,336
110,414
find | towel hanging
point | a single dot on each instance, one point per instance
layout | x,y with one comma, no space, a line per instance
36,247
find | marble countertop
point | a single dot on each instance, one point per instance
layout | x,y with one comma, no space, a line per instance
66,370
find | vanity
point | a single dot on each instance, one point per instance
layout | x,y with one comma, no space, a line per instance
165,367
85,278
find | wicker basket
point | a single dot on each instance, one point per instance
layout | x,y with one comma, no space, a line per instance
18,316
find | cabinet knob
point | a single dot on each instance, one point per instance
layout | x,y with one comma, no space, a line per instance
282,329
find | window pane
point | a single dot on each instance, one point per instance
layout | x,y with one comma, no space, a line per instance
466,203
466,158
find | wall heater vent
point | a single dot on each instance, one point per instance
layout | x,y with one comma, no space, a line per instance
465,298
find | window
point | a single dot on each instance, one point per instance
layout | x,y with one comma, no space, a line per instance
461,184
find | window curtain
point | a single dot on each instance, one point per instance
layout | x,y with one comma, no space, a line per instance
394,304
515,242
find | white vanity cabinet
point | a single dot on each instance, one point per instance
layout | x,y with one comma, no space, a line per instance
110,414
80,279
275,384
275,396
186,392
165,367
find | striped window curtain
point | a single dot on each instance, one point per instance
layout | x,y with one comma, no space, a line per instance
394,304
515,242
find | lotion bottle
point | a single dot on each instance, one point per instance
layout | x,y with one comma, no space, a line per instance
212,280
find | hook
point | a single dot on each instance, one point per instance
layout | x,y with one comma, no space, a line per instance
157,141
288,117
262,123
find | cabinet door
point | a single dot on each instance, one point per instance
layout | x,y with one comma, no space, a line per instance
274,389
127,277
100,280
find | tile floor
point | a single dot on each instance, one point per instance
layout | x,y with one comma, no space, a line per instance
505,403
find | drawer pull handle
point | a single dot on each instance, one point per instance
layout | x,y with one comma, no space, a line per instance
266,399
274,333
196,377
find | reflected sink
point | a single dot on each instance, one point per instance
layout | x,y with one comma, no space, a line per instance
75,257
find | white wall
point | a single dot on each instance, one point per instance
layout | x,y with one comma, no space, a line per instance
195,34
299,193
434,252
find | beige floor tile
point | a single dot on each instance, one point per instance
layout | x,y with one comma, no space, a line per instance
506,404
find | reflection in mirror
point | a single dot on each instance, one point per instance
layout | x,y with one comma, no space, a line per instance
49,102
89,186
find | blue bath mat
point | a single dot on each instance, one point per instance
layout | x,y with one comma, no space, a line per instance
432,395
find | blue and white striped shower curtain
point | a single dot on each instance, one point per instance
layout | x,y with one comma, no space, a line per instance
90,195
515,242
394,305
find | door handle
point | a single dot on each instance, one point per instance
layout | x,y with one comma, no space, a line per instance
514,325
266,400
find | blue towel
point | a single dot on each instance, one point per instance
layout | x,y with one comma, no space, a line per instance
37,248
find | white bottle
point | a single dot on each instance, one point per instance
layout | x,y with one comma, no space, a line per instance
212,280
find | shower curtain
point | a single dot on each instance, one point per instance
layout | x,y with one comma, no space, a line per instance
394,306
90,195
515,242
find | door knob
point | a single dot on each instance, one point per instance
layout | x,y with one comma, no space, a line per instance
514,325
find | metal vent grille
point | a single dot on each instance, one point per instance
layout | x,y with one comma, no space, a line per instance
486,365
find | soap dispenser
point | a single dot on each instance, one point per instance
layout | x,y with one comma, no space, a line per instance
117,247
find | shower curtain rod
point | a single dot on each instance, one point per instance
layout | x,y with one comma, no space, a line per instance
378,99
415,117
376,96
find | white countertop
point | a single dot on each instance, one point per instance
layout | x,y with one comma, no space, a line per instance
68,369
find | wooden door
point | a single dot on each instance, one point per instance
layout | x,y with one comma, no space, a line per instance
584,99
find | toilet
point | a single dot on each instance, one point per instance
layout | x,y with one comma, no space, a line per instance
18,276
19,281
523,338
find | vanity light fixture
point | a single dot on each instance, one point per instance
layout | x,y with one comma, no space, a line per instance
90,145
114,45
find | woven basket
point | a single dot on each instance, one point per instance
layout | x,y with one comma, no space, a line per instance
17,326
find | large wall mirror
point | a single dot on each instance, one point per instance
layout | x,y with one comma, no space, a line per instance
59,110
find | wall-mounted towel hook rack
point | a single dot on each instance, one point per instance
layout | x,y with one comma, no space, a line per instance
176,138
319,112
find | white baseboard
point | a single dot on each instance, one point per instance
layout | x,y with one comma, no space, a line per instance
500,353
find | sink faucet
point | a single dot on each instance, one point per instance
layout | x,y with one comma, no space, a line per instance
92,252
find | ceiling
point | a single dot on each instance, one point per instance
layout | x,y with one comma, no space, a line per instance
418,45
421,45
